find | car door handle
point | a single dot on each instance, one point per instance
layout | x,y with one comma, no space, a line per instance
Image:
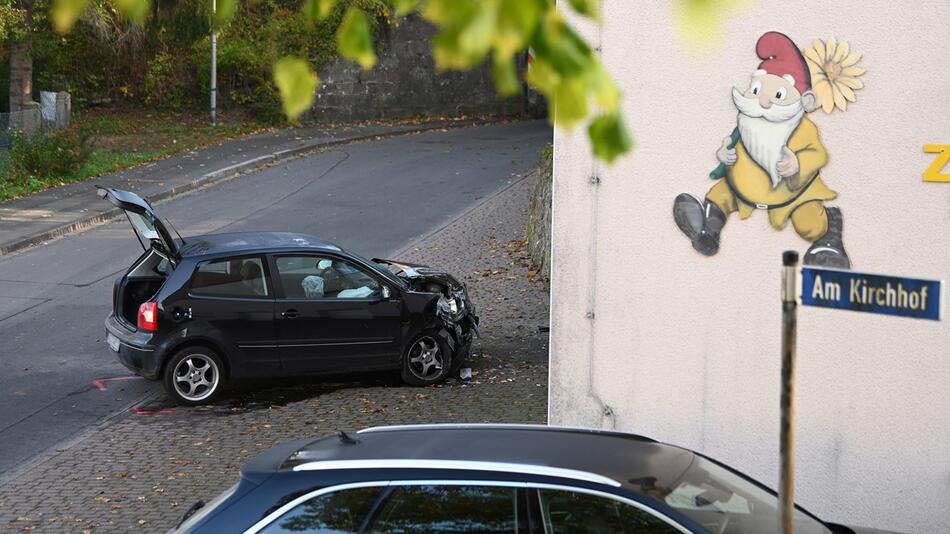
290,314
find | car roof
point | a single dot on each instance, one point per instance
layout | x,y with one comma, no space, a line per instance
610,459
242,242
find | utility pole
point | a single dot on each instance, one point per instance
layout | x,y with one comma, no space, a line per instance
786,477
214,65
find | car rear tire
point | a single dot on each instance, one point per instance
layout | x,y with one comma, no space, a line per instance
193,376
427,360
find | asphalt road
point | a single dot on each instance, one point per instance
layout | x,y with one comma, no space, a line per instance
59,378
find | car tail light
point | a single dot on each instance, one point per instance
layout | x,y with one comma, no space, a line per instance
148,317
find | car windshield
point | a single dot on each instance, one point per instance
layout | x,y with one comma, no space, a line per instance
725,502
381,270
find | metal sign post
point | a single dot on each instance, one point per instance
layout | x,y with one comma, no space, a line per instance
786,477
214,66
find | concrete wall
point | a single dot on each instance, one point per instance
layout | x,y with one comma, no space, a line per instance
405,83
650,336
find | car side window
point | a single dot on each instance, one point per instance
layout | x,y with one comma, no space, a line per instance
324,277
450,509
341,512
234,277
583,513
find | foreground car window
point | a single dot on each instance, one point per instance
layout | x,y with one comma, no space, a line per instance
725,502
230,278
324,277
569,512
449,509
341,512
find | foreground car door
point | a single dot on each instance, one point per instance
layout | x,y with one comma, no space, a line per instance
332,317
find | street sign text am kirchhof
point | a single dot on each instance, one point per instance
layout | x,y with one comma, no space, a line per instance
874,293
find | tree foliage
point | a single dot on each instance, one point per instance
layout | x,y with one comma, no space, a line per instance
565,68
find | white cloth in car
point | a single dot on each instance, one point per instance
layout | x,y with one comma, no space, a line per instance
358,293
312,286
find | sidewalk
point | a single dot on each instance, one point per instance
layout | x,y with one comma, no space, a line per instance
48,214
142,471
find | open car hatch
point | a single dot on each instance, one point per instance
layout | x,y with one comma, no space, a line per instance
149,227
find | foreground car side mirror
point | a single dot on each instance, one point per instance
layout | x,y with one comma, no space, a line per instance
386,293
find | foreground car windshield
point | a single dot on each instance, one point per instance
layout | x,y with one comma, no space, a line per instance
724,502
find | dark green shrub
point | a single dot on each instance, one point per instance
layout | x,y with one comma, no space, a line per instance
48,154
167,81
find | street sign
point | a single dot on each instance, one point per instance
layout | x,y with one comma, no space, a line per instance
873,293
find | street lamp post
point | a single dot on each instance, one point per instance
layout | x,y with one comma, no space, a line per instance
214,66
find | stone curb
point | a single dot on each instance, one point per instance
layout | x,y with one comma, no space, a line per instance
225,173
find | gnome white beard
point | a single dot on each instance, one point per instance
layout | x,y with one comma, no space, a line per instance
765,131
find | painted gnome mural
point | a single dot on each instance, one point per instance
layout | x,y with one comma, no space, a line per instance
771,161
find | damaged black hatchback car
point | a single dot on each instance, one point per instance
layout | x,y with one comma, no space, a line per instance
197,312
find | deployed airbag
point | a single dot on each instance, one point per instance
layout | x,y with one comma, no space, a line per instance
312,286
358,293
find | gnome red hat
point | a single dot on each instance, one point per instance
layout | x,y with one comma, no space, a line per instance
780,56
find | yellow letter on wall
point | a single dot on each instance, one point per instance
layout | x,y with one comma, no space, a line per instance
934,172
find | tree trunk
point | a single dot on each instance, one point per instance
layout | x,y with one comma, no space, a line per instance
21,62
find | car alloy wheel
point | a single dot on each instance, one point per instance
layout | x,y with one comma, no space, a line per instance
196,377
425,359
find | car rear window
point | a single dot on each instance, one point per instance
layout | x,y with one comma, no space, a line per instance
236,277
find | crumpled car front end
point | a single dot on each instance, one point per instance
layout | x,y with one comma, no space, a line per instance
448,308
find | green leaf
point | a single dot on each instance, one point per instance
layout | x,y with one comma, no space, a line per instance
517,22
135,10
224,12
557,43
318,10
609,137
588,8
466,31
297,83
404,7
64,13
570,103
448,12
355,39
605,90
505,74
542,76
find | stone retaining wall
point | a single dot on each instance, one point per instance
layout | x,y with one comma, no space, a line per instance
405,83
538,232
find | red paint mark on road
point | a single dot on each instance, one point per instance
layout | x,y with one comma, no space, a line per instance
102,383
140,411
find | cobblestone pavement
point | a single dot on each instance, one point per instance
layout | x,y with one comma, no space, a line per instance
141,472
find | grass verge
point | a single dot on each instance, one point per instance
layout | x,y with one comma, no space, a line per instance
124,138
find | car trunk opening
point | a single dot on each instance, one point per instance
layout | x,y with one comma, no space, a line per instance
140,284
151,230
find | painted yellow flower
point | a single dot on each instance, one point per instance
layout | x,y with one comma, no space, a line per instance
834,73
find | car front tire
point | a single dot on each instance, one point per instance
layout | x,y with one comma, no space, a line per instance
427,360
194,376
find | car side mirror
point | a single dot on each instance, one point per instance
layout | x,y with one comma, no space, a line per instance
386,292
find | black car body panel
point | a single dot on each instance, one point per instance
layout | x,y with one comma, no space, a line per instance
280,331
610,463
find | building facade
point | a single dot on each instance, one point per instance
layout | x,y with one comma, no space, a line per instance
666,313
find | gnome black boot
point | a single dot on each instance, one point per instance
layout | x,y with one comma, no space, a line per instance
701,221
828,250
